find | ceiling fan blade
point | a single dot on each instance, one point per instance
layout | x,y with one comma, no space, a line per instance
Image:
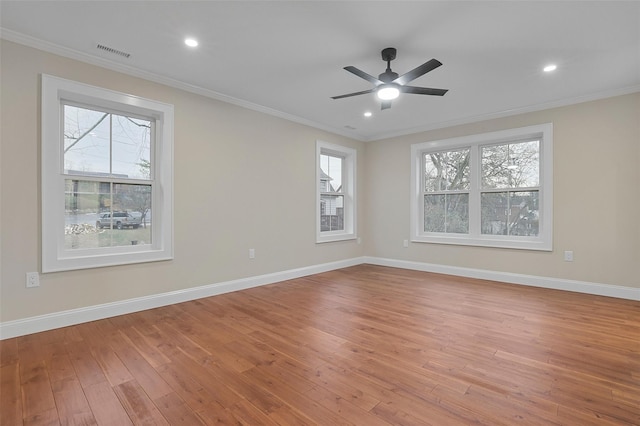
362,74
418,71
423,90
364,92
385,105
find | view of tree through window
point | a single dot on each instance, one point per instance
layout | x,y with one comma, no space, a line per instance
107,161
510,188
510,178
331,193
446,191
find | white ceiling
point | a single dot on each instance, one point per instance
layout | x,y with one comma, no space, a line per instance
286,58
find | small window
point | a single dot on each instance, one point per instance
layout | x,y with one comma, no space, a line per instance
491,190
106,177
335,192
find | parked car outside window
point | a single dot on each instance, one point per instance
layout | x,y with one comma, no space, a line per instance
119,220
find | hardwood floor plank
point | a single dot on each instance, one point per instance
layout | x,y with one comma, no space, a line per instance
87,369
247,414
106,406
365,345
215,414
346,386
38,403
137,404
71,403
145,375
174,409
344,407
10,401
9,352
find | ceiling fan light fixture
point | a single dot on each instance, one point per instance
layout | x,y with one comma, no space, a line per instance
387,92
191,42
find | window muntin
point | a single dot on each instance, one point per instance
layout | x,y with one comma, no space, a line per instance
492,190
335,172
106,166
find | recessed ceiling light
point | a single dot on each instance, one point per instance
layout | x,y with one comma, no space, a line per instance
550,67
368,114
191,42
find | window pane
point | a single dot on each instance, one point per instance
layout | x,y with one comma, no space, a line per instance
331,212
511,165
96,216
131,147
86,141
510,213
446,171
103,144
446,213
331,176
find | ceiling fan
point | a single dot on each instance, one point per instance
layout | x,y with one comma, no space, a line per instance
389,85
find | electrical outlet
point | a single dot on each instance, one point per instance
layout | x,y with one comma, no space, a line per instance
252,253
568,256
405,243
33,279
359,240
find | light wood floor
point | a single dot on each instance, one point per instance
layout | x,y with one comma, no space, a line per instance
365,345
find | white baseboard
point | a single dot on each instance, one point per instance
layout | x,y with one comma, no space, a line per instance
46,322
40,323
616,291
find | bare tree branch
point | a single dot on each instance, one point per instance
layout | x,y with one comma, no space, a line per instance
86,133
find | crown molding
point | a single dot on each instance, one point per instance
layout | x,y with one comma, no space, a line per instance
56,49
511,112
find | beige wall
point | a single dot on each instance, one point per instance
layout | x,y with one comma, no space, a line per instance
596,196
246,180
242,180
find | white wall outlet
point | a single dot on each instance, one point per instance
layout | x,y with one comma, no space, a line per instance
568,256
405,243
252,253
359,240
33,279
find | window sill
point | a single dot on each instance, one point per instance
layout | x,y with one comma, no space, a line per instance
335,237
493,242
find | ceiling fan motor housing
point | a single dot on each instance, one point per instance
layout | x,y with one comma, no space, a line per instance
388,54
388,76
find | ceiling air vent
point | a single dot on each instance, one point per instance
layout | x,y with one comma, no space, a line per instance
114,51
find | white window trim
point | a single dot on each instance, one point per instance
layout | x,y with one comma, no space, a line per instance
349,187
544,240
54,256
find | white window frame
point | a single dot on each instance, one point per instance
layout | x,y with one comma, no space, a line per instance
348,189
55,257
544,240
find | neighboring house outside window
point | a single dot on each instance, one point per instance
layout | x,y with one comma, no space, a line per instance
492,189
106,177
335,171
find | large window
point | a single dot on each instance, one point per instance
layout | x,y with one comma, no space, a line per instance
335,192
492,189
106,177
